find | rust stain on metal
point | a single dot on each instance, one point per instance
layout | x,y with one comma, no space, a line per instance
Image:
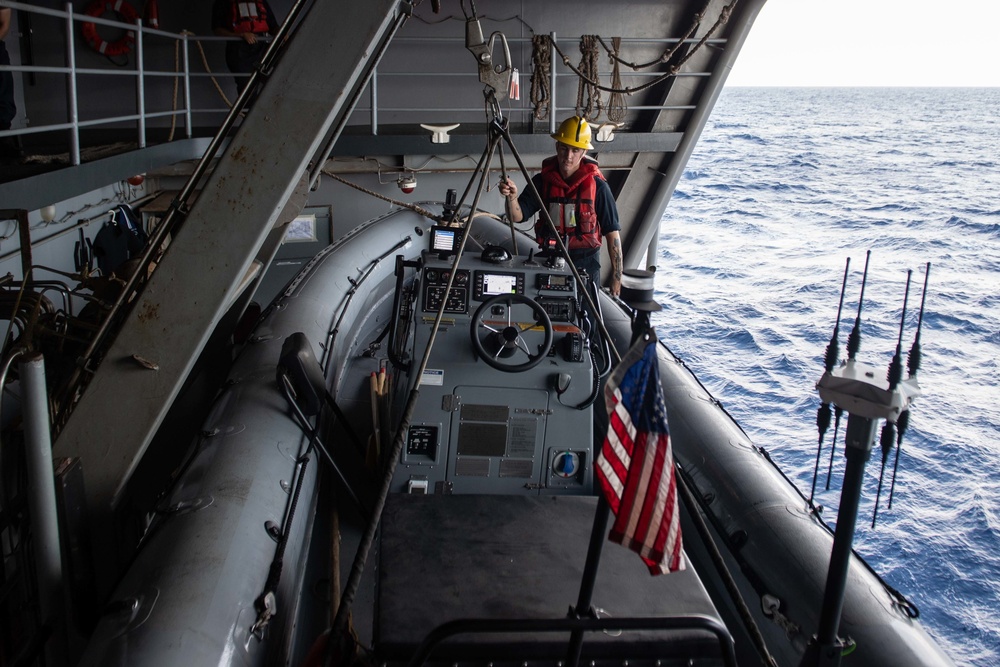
148,312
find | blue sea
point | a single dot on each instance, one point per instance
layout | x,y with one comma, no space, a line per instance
784,186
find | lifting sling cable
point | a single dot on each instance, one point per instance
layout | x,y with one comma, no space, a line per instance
340,622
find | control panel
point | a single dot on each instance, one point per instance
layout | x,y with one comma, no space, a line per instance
435,282
559,309
497,410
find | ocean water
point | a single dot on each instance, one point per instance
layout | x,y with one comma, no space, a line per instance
784,186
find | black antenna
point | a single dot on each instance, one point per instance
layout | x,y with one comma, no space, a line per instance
912,366
893,375
822,423
833,347
913,358
895,372
854,338
886,440
838,412
902,423
829,361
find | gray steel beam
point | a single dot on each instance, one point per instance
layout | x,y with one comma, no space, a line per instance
652,180
311,89
473,144
34,192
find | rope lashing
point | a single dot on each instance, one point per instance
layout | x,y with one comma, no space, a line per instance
541,68
617,108
673,70
588,93
402,204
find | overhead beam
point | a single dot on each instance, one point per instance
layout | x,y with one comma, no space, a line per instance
468,144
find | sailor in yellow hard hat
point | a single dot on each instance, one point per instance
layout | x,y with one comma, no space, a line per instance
578,198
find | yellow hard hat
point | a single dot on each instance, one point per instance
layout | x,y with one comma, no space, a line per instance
574,132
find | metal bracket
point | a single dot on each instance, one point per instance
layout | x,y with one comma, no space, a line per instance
496,77
451,402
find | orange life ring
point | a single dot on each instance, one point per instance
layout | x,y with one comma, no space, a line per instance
126,14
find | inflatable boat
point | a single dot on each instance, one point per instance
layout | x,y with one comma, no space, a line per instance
483,535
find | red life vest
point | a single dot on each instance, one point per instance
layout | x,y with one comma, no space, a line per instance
571,204
248,16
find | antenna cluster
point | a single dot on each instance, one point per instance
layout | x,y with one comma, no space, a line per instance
858,389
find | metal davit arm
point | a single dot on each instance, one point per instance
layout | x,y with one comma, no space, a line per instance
188,293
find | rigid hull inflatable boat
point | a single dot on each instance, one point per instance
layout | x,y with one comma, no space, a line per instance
492,499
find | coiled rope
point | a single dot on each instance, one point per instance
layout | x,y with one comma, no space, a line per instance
589,78
617,107
588,94
541,66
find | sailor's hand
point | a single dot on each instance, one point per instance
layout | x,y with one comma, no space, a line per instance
615,287
507,188
249,38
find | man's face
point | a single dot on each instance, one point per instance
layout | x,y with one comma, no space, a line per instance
568,158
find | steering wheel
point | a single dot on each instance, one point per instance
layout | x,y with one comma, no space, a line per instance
494,341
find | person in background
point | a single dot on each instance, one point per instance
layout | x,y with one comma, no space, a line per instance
9,150
579,201
251,22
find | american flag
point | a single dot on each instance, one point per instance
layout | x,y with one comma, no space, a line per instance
635,466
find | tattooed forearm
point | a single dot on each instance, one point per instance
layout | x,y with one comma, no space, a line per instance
616,258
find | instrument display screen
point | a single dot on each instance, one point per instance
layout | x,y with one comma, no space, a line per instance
497,284
445,240
493,283
554,282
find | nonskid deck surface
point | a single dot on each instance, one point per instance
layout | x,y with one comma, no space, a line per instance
445,558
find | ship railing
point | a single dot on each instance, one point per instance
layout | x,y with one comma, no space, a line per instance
146,81
558,106
195,88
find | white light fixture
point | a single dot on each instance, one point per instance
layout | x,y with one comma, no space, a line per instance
48,213
407,183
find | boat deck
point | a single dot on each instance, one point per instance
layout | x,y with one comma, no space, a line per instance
495,558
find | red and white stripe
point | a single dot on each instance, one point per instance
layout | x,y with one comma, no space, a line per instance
636,471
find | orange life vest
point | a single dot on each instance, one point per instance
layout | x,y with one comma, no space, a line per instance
571,204
248,16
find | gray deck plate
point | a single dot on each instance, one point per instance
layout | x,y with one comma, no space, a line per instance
501,557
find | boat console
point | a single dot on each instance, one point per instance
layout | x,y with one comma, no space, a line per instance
504,396
501,441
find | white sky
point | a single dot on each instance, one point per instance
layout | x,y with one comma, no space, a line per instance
872,43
